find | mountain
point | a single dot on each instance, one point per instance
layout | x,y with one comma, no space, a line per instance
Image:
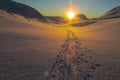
81,17
57,19
21,9
114,13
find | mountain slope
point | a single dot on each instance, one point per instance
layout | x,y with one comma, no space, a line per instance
81,17
21,9
114,13
57,19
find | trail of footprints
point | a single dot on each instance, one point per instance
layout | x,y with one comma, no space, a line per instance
73,62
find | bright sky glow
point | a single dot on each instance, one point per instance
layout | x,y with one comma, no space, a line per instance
70,14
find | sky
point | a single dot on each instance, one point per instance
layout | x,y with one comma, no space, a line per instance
91,8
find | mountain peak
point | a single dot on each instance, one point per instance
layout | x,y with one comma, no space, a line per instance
81,17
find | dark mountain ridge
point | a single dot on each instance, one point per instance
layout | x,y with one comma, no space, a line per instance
114,13
21,9
81,17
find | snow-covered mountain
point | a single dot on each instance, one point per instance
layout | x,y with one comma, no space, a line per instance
81,17
21,9
114,13
57,19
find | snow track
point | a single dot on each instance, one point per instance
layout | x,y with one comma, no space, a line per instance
72,61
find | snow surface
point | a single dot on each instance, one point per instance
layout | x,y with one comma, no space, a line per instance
29,47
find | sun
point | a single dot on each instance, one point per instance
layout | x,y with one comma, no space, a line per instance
70,14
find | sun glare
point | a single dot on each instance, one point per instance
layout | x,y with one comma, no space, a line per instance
70,14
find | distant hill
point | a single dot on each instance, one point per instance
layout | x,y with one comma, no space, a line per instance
81,17
57,19
21,9
114,13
